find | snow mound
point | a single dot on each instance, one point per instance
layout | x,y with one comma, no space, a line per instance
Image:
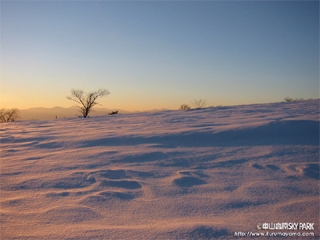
198,174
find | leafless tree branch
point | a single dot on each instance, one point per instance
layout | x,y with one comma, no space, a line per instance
86,101
9,115
199,103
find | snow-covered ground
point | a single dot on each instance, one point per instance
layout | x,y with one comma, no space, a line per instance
204,173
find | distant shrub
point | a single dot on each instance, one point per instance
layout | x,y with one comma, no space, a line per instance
199,103
288,99
185,107
113,112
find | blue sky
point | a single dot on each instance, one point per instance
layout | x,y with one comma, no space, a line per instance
158,54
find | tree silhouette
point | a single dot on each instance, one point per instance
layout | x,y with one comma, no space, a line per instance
9,115
86,101
199,103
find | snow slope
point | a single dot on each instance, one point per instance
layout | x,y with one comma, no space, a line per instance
204,173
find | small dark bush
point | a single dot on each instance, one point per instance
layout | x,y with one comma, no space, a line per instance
185,107
113,112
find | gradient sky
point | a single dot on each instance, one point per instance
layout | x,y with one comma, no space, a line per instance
158,54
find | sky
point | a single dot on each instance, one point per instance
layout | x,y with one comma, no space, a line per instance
158,54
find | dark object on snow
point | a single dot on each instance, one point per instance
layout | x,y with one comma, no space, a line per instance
113,112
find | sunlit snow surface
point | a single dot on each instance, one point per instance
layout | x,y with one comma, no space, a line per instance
205,173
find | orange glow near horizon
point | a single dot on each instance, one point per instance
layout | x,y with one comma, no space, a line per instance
151,60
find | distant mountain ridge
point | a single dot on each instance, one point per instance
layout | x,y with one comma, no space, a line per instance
41,113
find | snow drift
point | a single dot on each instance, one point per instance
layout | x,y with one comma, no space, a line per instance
204,173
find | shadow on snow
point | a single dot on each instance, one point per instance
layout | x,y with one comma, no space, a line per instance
303,132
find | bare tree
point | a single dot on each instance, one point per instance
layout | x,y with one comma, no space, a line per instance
199,103
86,101
9,115
185,107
